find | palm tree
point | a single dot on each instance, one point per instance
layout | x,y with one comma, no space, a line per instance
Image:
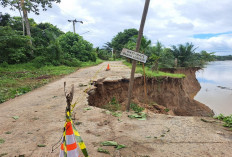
183,54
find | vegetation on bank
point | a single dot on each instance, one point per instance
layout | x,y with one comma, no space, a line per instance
19,79
226,119
150,73
182,55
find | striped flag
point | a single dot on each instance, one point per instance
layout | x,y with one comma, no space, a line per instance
70,139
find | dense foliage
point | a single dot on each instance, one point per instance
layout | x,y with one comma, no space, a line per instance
14,47
121,39
76,46
50,46
182,55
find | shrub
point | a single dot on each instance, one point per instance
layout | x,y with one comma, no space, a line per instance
136,108
113,105
103,54
75,45
14,47
40,61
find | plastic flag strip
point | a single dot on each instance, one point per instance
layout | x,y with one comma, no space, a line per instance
70,139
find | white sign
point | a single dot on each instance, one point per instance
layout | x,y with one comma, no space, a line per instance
134,55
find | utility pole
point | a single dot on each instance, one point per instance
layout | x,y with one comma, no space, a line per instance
112,52
74,21
140,34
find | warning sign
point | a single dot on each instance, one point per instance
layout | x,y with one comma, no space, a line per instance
134,55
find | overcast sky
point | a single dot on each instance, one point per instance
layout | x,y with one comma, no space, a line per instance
205,23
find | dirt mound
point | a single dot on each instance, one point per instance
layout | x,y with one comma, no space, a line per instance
175,94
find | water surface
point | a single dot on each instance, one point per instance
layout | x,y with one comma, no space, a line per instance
216,86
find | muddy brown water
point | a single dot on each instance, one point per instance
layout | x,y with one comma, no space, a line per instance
216,86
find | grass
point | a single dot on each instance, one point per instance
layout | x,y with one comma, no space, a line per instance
19,79
226,119
113,105
136,108
88,64
149,73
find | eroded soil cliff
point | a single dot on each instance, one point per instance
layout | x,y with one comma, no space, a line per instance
175,94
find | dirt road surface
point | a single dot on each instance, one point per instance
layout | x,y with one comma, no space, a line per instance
41,120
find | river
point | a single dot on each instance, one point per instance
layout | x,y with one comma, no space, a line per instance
216,86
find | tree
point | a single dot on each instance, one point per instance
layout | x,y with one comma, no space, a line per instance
76,46
122,38
5,20
184,54
13,46
108,47
43,33
28,6
155,55
145,43
207,57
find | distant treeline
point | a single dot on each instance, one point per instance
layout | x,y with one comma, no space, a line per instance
223,58
159,56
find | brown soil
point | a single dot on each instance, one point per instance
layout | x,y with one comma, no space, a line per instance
41,119
43,77
175,94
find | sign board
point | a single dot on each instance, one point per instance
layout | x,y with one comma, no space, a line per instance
134,55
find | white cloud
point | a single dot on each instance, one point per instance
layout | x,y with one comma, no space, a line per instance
169,21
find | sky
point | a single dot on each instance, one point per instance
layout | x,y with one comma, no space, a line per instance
205,23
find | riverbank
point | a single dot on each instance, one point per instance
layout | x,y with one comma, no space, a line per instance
41,119
165,93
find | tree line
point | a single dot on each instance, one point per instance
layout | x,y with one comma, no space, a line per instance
182,55
50,45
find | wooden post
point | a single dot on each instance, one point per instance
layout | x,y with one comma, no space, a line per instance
140,34
145,84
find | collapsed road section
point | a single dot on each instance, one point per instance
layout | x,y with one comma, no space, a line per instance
172,94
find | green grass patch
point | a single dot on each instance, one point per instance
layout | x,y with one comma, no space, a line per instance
87,64
226,119
136,108
19,79
150,73
113,105
2,141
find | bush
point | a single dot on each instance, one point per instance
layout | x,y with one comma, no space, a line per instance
103,54
136,108
75,45
113,105
40,61
226,119
73,62
14,47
